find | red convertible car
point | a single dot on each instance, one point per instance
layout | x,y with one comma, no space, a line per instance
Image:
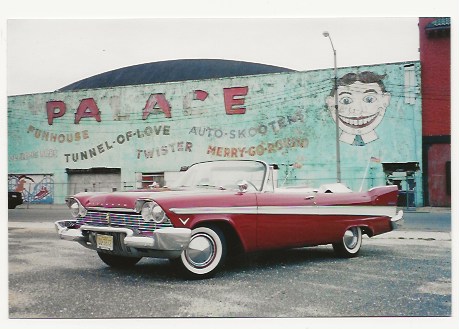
222,207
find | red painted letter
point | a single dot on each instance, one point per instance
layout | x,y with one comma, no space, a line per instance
150,107
200,95
87,109
51,108
231,102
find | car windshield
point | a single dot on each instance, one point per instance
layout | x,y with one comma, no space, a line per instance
223,175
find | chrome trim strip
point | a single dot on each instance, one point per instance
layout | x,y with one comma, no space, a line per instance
127,231
66,233
215,210
388,211
116,219
330,210
102,209
162,239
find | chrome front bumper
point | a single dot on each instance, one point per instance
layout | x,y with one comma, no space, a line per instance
397,220
170,240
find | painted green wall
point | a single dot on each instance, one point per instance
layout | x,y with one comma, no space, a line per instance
280,118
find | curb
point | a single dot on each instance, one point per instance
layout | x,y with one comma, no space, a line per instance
32,225
415,235
42,206
444,210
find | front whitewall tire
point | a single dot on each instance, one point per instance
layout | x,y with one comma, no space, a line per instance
205,254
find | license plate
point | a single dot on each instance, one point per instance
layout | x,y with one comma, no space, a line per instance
104,241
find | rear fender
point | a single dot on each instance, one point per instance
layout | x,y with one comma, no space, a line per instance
384,195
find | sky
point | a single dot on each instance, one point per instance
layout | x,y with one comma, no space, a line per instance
45,55
46,46
55,53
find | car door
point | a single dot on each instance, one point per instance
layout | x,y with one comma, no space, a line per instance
287,220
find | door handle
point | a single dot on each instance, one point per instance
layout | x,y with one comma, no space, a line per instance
309,197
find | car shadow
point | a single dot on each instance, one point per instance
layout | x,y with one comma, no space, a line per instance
162,270
147,268
284,257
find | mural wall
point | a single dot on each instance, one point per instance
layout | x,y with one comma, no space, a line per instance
285,118
34,188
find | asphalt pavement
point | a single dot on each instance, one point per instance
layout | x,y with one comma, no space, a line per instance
406,272
428,219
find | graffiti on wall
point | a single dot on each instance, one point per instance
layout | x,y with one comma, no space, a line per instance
34,188
362,103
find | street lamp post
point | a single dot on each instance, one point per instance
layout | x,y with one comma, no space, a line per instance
338,157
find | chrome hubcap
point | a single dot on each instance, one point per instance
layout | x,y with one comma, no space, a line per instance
201,250
350,238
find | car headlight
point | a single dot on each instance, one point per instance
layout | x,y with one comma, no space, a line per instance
76,209
151,211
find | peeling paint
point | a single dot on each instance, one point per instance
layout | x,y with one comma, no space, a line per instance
254,113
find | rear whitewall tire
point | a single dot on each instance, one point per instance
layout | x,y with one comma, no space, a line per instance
350,244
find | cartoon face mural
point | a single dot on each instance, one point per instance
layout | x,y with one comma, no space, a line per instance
362,103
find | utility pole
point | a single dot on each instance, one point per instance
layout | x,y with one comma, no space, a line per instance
338,156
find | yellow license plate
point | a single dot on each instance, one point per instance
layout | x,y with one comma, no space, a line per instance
104,242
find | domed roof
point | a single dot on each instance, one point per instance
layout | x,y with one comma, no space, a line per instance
173,70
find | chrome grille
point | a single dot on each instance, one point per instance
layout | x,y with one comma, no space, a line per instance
128,220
